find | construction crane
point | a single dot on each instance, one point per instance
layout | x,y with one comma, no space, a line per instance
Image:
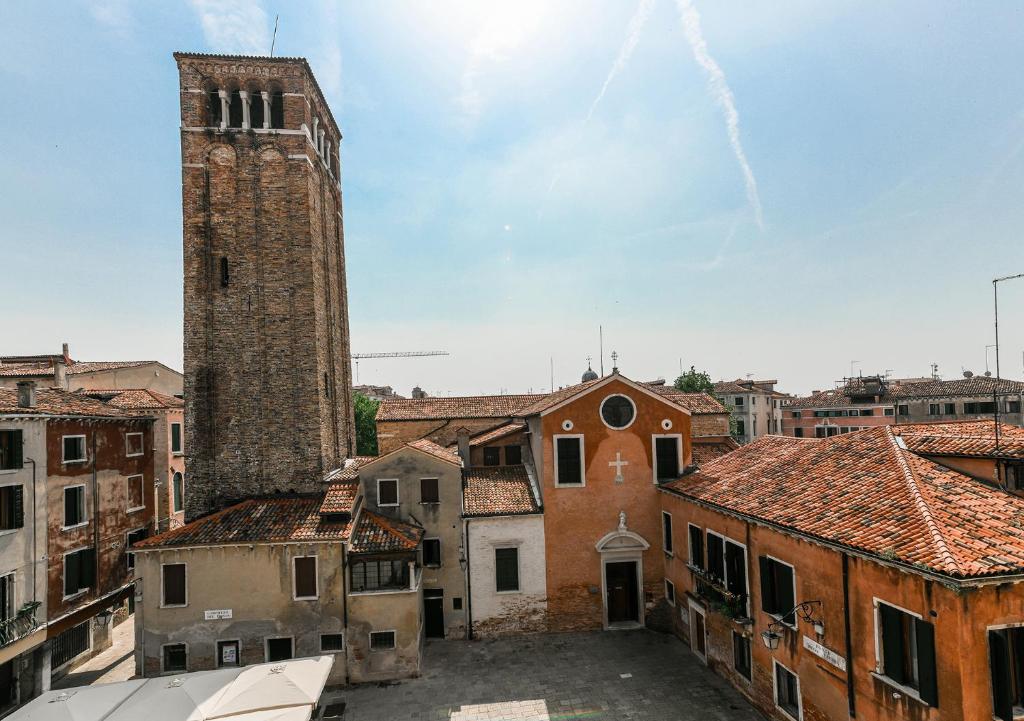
396,354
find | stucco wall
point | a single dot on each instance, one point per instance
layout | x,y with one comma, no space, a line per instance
508,613
255,583
439,520
167,464
152,376
398,611
394,434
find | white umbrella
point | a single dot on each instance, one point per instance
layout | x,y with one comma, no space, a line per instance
295,713
85,703
183,697
298,682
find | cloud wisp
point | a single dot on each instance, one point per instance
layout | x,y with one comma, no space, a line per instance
724,97
633,30
234,26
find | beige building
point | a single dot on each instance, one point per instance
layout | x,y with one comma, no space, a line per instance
62,372
755,406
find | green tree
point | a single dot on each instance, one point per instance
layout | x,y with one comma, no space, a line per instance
695,381
366,425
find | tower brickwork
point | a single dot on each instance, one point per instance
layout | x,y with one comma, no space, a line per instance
268,385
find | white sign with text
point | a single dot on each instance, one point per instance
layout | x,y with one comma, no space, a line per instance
828,655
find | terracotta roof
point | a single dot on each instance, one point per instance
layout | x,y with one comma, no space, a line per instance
440,452
696,403
704,452
506,429
255,520
908,390
135,398
375,533
340,497
864,491
411,409
46,368
498,491
349,471
550,400
962,438
53,402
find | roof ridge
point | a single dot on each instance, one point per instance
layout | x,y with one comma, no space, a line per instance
922,506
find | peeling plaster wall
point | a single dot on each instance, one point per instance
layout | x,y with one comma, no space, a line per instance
398,611
255,583
504,614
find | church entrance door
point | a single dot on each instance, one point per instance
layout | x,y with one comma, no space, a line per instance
622,592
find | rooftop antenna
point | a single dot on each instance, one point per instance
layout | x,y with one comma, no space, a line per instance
600,343
552,374
274,39
852,363
986,356
935,371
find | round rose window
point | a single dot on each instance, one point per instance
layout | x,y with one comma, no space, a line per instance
618,412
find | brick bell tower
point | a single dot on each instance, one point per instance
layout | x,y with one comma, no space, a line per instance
268,383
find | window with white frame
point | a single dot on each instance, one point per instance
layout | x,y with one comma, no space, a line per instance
382,640
74,506
79,571
279,649
778,589
666,532
667,450
387,492
7,602
696,546
73,449
136,501
670,592
133,445
304,574
176,442
1006,666
741,662
787,691
173,585
905,650
569,461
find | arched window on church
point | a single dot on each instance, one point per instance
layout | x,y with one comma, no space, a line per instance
213,117
235,110
255,109
277,109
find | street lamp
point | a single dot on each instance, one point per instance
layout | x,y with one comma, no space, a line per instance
772,635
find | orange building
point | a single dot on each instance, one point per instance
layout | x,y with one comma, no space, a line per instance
856,576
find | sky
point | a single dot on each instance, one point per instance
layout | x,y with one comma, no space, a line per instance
793,190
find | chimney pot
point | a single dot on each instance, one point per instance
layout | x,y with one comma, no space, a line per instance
26,394
462,436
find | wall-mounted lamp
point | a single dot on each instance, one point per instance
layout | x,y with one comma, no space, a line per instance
772,635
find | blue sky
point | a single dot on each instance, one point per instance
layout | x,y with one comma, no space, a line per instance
486,214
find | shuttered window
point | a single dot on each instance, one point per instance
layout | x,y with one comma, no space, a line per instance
716,556
492,456
666,461
387,492
696,547
79,571
778,596
73,449
736,570
10,450
513,455
506,569
175,438
787,691
174,584
568,452
428,491
908,651
74,506
12,507
1006,659
666,532
741,655
305,577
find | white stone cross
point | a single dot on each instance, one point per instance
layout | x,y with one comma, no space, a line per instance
618,463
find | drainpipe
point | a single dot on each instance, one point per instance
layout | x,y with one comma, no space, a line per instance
469,589
849,643
35,530
344,606
95,517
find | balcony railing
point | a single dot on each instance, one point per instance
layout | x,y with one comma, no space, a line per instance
718,596
21,625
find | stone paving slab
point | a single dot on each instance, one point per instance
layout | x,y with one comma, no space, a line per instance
601,676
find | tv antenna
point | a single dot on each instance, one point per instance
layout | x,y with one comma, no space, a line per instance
273,40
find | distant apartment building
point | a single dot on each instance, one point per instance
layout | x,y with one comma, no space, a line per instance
76,490
755,406
876,401
376,393
59,370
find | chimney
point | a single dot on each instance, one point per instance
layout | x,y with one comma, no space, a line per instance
462,435
67,354
26,394
60,371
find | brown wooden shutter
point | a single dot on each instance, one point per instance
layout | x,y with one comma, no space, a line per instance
174,584
999,661
892,642
305,577
87,568
768,596
928,685
18,506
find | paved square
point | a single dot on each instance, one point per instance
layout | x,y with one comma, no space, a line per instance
607,676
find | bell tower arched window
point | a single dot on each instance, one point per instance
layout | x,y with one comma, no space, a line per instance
235,110
213,115
277,109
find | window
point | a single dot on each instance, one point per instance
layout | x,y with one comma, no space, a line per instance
618,412
332,642
569,461
175,657
666,458
378,575
133,445
74,449
432,552
736,570
279,649
741,655
741,427
492,456
174,591
982,407
176,438
796,414
1011,406
907,653
716,556
428,491
778,589
304,573
382,640
798,432
135,494
934,409
1006,659
12,507
387,492
457,604
696,547
888,411
670,592
506,569
826,431
903,410
74,506
513,455
867,411
738,401
224,275
666,532
787,691
79,571
10,450
7,604
178,491
133,537
1013,474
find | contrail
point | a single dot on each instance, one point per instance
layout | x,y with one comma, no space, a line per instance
723,96
636,25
